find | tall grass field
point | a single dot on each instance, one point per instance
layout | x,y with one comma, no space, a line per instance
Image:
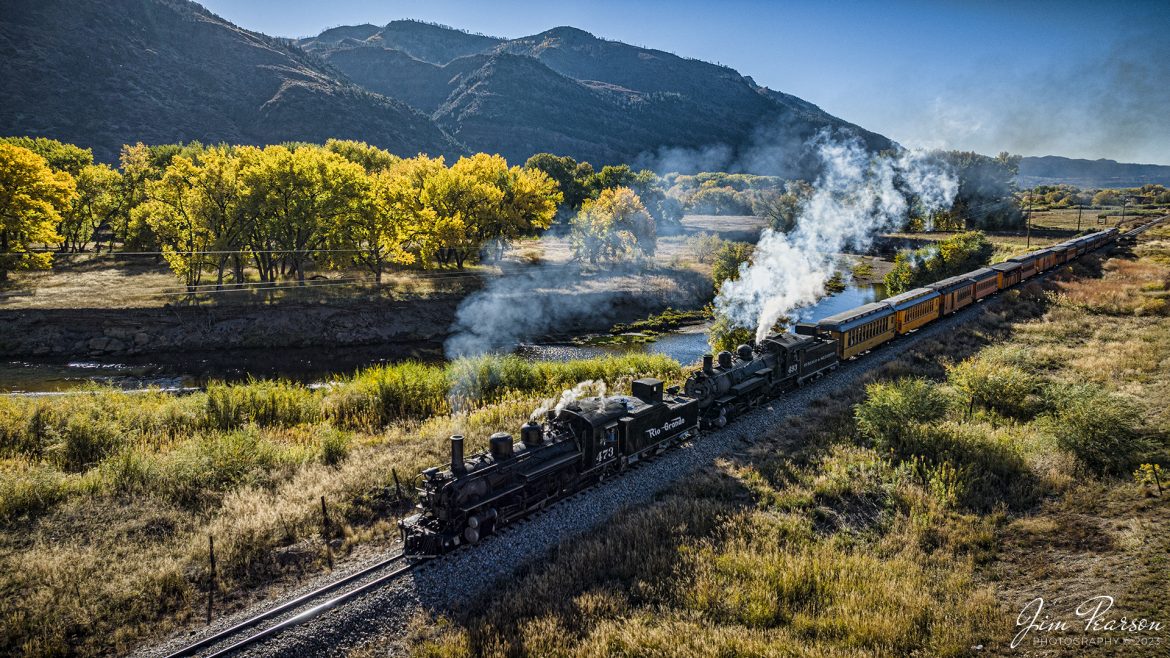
107,498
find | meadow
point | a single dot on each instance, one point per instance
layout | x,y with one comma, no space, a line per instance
107,498
914,513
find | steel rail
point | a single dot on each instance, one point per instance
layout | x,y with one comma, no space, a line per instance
221,636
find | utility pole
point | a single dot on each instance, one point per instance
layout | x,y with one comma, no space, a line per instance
1028,221
1080,209
1123,202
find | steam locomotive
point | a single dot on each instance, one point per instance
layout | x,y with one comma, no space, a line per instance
590,438
583,441
579,443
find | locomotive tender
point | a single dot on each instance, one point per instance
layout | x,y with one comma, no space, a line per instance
585,440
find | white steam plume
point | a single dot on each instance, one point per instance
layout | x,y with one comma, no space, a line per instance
587,388
856,197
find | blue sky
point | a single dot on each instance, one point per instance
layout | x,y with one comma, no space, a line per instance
1080,79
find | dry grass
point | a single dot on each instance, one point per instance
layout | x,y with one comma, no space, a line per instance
923,536
107,498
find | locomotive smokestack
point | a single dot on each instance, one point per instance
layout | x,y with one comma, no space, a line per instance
708,364
457,465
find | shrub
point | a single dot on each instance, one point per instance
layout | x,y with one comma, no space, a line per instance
994,384
379,396
1100,428
725,336
212,463
976,469
334,446
891,409
705,246
29,488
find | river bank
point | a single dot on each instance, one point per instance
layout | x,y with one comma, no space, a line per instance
178,346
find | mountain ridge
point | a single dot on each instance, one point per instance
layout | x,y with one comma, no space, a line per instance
122,71
642,102
1084,173
158,71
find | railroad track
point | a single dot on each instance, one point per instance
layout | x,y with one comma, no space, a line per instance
312,604
309,605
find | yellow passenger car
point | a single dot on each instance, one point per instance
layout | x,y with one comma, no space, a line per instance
1009,273
986,282
1029,265
956,292
913,308
859,330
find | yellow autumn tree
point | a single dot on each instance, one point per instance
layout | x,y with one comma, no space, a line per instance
614,226
98,199
32,198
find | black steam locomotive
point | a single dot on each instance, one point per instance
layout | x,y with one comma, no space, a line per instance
589,438
578,444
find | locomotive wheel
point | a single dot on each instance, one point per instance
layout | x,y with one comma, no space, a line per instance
721,421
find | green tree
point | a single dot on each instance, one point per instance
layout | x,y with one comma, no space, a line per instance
295,197
1107,198
172,214
32,198
375,236
481,201
612,176
957,254
138,169
725,266
573,179
781,209
612,227
401,192
219,202
724,335
985,198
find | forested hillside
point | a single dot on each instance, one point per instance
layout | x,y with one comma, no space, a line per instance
103,74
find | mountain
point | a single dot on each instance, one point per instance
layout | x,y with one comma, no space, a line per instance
1052,169
101,74
568,92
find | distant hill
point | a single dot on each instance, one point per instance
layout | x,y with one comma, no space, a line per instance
569,92
101,74
1052,170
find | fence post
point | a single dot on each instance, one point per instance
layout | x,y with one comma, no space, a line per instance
211,575
325,532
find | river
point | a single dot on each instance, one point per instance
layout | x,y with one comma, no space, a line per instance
316,365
